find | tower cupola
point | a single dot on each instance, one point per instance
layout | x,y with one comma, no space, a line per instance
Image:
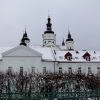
69,38
25,36
69,42
49,26
25,40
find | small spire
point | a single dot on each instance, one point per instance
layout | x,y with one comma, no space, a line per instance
48,14
68,29
69,35
63,43
25,28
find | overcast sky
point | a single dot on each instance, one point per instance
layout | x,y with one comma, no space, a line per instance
82,17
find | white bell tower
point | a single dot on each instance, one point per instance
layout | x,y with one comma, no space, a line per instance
49,35
69,42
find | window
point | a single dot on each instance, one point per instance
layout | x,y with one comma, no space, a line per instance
60,69
87,58
68,57
89,70
44,70
70,70
21,71
9,70
79,70
98,70
33,70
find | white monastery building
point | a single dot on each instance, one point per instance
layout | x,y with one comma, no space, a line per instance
48,57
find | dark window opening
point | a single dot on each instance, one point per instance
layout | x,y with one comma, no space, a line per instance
44,70
33,70
21,71
98,70
79,70
9,70
70,70
87,58
68,57
89,70
60,69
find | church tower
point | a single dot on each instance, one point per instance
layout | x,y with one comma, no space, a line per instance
69,42
49,35
25,40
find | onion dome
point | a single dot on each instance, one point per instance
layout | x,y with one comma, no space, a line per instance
25,36
49,26
69,37
24,39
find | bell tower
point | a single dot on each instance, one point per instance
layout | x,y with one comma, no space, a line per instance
49,35
69,42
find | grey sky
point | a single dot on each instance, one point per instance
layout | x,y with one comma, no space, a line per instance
82,17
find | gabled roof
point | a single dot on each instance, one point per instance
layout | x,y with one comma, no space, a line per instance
86,54
21,51
49,54
67,54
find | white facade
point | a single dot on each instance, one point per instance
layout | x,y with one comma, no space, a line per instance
48,57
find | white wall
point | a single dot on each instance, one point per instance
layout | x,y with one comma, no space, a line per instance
75,66
69,44
28,62
49,37
49,66
17,62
